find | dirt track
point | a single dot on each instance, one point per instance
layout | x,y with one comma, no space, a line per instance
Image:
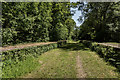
110,44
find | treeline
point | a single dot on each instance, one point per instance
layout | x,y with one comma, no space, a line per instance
36,22
101,21
52,21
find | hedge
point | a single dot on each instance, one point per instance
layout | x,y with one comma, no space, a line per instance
20,61
110,54
61,42
8,36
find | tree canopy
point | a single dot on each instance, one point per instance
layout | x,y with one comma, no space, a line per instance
35,21
52,21
101,21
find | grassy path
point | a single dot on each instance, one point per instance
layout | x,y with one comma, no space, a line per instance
72,61
57,63
80,70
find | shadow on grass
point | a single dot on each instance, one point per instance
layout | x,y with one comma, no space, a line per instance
74,47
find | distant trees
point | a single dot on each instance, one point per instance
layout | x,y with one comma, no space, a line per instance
70,26
102,21
30,20
60,13
51,21
34,21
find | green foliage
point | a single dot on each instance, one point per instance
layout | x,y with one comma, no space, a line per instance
70,26
101,21
20,61
61,43
28,20
8,36
60,13
61,32
13,70
36,21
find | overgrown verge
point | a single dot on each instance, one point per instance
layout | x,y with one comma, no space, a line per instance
20,61
110,54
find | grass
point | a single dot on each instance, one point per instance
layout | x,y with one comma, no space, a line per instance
56,63
61,63
21,68
96,67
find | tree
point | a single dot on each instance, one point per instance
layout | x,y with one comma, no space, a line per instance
99,18
61,32
60,13
70,26
35,21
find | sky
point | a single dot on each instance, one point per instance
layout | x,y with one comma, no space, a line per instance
77,14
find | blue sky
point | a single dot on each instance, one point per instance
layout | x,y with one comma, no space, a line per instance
77,14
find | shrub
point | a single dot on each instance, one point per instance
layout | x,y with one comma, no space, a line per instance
61,42
8,36
86,43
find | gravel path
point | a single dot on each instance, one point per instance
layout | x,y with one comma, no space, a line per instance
111,44
20,46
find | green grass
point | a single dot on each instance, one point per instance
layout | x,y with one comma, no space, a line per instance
56,63
21,68
61,63
96,67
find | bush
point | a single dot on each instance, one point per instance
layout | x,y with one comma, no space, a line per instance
86,43
8,36
61,43
20,61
